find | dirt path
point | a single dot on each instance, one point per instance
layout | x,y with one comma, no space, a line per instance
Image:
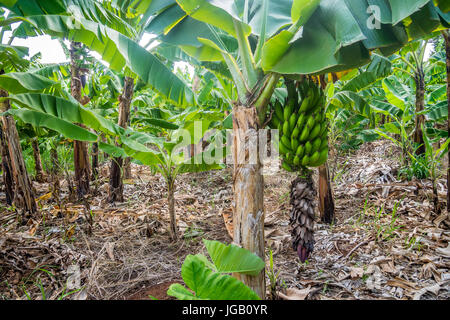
386,243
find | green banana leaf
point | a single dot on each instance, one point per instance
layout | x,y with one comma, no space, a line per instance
66,110
39,119
208,284
20,82
231,258
379,68
115,48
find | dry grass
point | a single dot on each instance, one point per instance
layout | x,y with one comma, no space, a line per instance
129,249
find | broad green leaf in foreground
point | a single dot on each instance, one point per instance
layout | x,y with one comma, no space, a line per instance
231,258
208,284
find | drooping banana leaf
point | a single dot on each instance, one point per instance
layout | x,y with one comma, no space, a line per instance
20,82
115,48
336,37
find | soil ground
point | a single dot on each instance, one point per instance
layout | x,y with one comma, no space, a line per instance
386,243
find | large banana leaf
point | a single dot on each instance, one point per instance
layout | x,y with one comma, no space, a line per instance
337,36
19,82
40,119
116,49
208,284
231,258
60,115
70,111
379,68
88,9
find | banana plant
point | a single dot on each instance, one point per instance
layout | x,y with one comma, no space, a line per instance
259,40
256,42
210,281
433,159
171,156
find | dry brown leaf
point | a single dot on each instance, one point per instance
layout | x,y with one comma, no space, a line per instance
356,272
389,267
401,283
109,247
445,252
295,294
433,289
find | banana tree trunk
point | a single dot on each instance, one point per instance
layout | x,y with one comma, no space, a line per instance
23,195
37,160
171,206
80,153
116,176
127,168
420,105
326,200
248,188
55,161
94,161
446,34
6,166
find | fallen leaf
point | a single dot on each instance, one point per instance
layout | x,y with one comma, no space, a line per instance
444,251
295,294
356,272
433,289
398,282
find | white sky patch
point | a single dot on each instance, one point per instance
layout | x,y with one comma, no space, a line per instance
184,67
50,49
428,51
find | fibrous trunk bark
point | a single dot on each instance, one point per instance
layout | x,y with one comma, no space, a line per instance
94,161
23,194
55,161
171,206
6,167
80,153
248,188
420,105
37,160
116,176
127,168
446,34
326,200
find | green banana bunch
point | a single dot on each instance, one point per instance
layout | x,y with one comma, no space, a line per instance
303,130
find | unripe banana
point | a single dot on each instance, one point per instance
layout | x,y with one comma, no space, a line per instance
310,123
305,161
324,143
316,145
286,131
300,151
323,156
295,132
286,142
279,110
296,160
304,135
308,148
294,143
306,103
301,120
288,110
314,158
315,132
292,121
283,149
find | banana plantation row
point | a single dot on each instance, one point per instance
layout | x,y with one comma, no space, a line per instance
328,75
